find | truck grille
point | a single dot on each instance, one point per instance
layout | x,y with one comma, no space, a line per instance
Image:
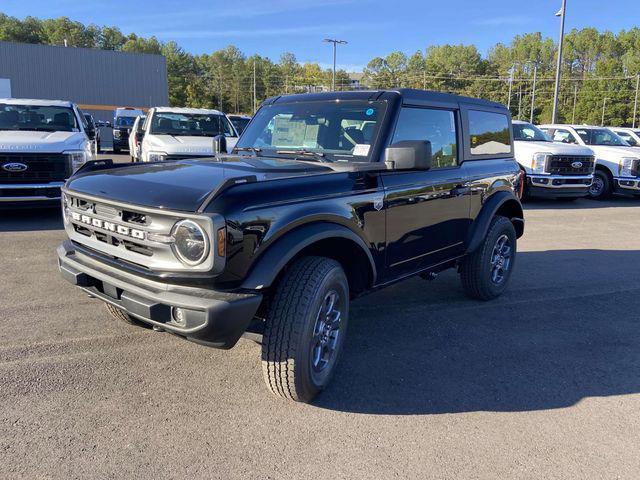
564,165
137,235
635,168
41,167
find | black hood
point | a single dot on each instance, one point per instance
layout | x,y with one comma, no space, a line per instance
185,184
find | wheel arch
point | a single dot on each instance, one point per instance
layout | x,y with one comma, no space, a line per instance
326,239
501,203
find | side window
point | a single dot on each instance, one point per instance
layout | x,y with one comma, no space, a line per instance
564,136
489,133
436,126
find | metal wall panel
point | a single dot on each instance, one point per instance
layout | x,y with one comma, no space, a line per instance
102,78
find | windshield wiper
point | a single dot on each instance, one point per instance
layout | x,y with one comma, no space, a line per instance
319,156
255,150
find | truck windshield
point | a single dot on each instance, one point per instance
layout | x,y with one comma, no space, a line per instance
527,132
600,136
340,131
124,121
39,118
191,124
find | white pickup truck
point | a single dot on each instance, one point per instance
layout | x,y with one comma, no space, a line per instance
551,169
42,142
617,162
179,133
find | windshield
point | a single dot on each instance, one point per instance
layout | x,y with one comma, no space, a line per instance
341,131
125,121
240,123
43,118
627,137
529,133
600,136
191,124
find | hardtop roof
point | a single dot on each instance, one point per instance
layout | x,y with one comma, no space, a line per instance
36,102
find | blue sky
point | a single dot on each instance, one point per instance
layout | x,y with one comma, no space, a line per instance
372,27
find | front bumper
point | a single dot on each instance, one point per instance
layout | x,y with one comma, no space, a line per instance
214,318
628,185
558,186
23,194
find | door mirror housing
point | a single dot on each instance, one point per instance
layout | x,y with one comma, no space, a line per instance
219,144
91,132
408,155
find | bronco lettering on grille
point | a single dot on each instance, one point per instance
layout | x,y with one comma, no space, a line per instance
109,226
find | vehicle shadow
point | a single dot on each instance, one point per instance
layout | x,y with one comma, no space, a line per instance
581,203
29,220
567,329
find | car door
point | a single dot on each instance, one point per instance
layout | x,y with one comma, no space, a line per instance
427,211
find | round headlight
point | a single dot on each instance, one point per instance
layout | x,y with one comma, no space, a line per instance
191,244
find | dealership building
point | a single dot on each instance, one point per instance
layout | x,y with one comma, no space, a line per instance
98,81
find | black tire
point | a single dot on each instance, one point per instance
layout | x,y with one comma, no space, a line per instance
601,191
293,355
478,269
98,147
121,315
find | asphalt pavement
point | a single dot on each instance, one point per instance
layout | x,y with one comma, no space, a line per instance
542,383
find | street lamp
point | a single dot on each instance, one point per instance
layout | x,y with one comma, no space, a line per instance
335,42
562,14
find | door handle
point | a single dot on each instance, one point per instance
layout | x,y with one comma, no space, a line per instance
460,190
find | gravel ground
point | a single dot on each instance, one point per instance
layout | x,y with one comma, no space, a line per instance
541,383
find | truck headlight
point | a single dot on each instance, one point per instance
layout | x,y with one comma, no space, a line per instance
625,166
540,161
157,156
76,158
191,244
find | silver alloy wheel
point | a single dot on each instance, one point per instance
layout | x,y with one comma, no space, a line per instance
501,259
597,186
326,332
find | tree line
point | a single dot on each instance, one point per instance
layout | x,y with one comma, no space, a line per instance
600,70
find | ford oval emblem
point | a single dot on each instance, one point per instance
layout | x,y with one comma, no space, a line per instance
576,164
14,167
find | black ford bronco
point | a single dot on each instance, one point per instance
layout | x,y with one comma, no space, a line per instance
325,197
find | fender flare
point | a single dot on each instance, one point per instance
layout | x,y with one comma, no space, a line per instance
268,265
480,226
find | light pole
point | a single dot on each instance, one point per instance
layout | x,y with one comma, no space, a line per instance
533,91
562,14
335,43
510,86
604,106
635,103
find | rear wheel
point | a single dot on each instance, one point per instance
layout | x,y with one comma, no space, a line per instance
305,329
602,186
485,273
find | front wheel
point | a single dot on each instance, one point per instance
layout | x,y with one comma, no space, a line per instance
601,187
305,329
485,273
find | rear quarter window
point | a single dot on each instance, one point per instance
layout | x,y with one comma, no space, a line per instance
489,133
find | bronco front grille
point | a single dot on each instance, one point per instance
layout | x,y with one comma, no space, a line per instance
570,165
134,234
40,167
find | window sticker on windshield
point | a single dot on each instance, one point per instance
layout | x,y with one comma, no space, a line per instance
369,112
360,150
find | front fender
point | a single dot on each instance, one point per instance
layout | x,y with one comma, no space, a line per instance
267,267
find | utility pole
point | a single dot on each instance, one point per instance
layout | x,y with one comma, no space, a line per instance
562,14
254,87
510,87
635,104
335,43
519,100
575,100
533,91
604,106
424,83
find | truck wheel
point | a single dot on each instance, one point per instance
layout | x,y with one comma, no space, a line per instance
601,187
120,314
305,329
485,273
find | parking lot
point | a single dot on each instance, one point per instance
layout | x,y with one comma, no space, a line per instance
544,382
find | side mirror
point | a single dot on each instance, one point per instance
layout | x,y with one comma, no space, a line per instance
408,155
91,133
219,144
